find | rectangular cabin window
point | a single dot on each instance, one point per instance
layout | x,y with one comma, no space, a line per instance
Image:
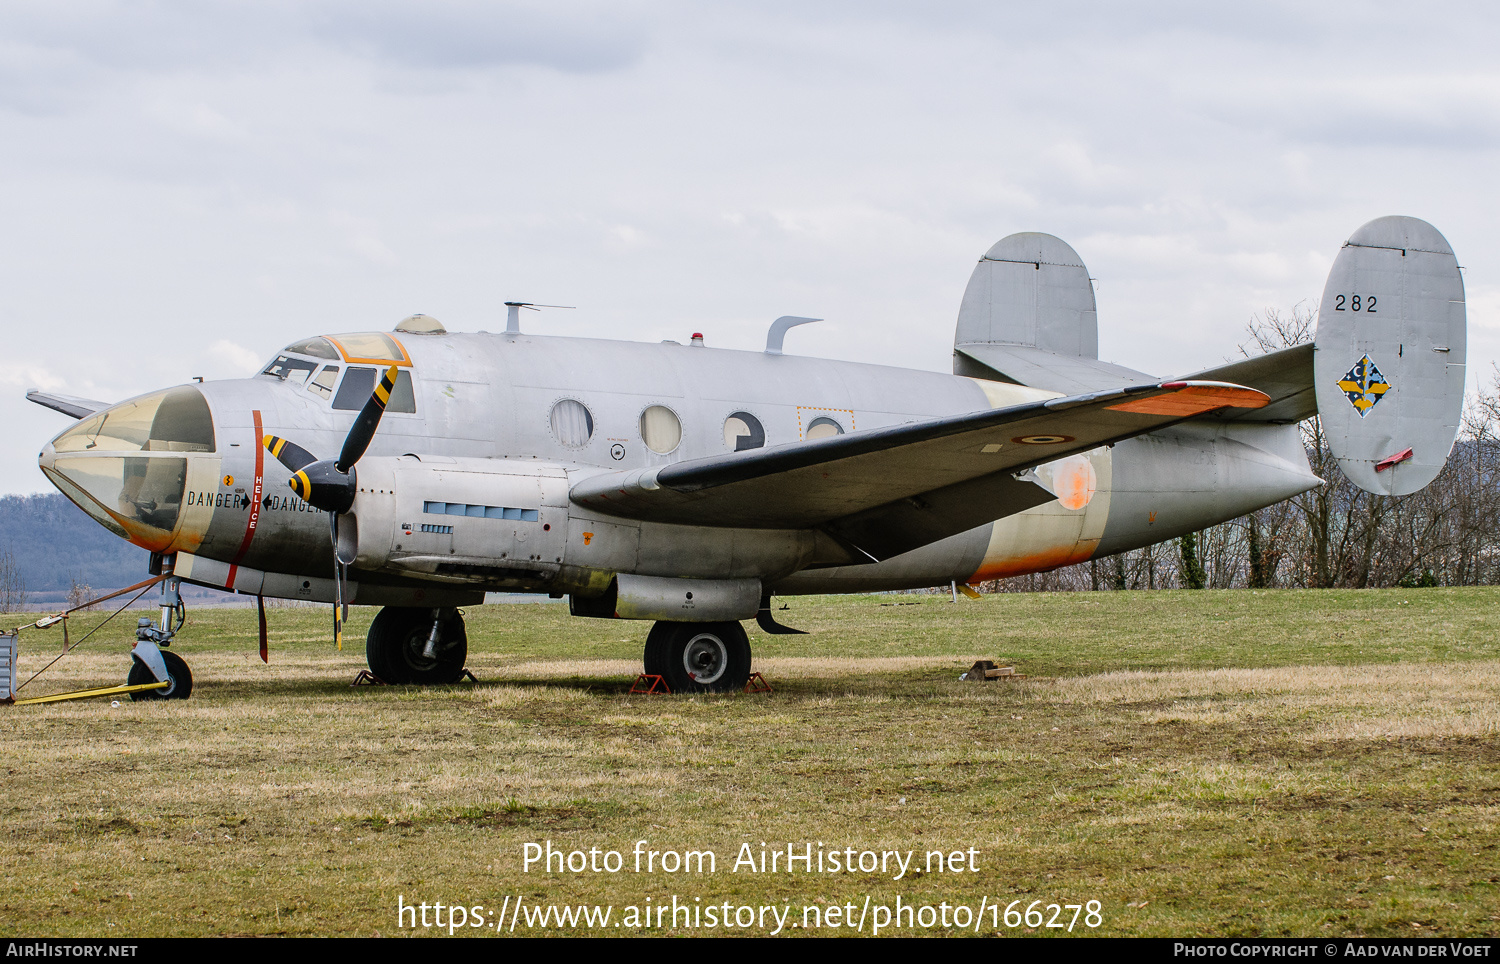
359,383
322,386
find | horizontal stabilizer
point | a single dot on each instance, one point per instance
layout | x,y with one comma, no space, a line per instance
1286,376
1039,368
69,405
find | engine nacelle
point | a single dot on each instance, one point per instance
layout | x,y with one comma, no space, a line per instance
507,524
497,522
673,599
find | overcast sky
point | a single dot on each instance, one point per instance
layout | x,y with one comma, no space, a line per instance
188,186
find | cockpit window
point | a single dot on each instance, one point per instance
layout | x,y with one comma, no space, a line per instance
288,369
371,346
360,382
316,347
322,386
176,420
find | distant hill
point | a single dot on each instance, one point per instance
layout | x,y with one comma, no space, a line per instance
53,541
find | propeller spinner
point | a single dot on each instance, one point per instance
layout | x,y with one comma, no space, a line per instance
330,484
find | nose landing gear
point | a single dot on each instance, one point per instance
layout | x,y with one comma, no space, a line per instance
148,663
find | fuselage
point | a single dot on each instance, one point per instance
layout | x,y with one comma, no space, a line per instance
464,488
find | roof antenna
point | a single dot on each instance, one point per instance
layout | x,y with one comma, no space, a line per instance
513,316
779,328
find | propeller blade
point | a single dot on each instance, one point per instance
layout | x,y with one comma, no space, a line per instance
368,420
290,454
340,608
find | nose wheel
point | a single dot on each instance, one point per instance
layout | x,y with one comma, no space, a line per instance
699,657
179,679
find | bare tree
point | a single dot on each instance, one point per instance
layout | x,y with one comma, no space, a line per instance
12,584
80,593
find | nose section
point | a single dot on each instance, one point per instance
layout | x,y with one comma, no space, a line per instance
127,465
135,497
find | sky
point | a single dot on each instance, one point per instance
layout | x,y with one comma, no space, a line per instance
187,186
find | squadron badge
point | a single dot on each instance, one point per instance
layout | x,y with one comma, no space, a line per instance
1364,385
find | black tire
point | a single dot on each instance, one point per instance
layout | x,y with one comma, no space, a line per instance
177,672
703,657
655,661
398,637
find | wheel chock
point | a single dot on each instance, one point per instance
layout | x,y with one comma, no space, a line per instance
654,686
367,678
984,670
757,684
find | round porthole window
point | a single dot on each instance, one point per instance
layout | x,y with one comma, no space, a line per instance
743,431
660,429
572,423
823,427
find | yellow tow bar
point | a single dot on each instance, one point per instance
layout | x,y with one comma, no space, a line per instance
104,691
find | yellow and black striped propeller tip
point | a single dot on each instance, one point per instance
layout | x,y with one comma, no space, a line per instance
288,453
386,386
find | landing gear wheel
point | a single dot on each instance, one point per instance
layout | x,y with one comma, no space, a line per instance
397,646
179,685
699,657
655,661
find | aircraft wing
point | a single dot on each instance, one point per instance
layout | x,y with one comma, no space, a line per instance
889,490
67,404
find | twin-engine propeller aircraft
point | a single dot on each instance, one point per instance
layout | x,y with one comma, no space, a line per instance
687,485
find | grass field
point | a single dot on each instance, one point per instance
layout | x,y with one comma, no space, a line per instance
1198,763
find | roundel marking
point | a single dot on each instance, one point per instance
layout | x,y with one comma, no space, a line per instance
1042,439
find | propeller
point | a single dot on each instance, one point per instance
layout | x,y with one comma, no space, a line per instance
330,484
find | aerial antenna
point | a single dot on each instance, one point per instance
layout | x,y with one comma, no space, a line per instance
779,328
513,315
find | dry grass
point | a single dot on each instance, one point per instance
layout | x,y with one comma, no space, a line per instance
1233,763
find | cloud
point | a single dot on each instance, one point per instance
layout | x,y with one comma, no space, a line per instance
234,360
172,35
587,37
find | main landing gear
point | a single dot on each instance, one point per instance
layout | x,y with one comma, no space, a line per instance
699,657
422,646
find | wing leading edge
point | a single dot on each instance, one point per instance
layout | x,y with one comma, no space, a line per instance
889,490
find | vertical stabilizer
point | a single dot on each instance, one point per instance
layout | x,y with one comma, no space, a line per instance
1389,358
1030,290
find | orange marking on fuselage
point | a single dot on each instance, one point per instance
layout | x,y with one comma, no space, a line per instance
1075,482
1035,562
